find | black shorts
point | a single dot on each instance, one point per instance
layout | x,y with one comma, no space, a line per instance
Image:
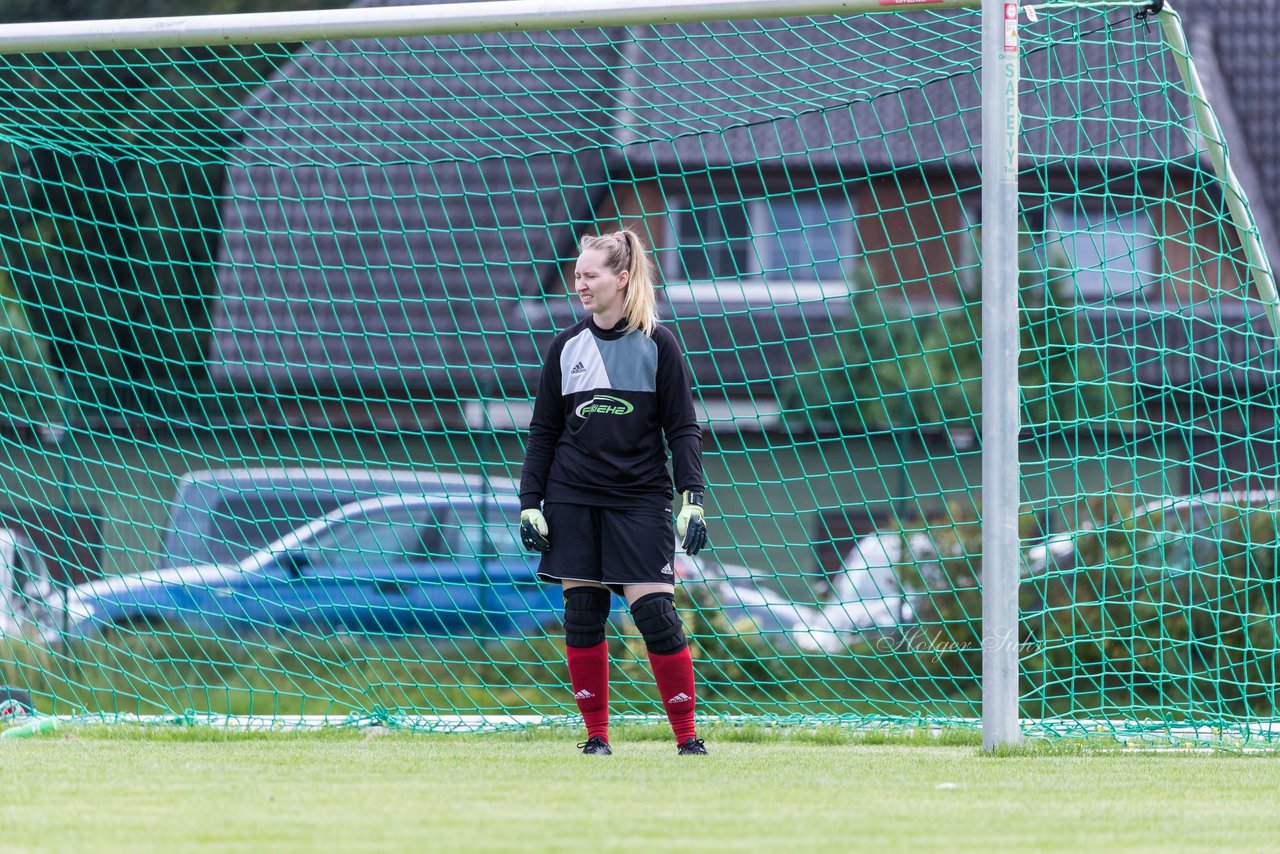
609,545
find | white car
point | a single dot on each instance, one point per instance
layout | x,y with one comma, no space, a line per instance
866,593
30,603
1179,533
865,599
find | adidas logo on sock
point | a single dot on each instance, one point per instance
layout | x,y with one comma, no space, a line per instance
682,697
578,369
584,694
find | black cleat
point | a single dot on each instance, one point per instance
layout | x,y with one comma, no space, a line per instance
692,747
597,746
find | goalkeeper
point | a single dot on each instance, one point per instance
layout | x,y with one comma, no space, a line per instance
595,494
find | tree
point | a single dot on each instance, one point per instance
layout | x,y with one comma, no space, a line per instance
112,219
30,389
904,370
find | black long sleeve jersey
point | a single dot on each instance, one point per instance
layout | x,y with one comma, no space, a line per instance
605,399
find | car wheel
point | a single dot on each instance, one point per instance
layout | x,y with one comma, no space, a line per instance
14,703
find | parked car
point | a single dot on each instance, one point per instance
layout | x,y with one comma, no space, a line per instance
224,515
227,516
400,564
429,564
1172,534
751,600
1166,537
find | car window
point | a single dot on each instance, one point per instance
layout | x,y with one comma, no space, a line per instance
425,543
384,533
477,539
245,523
225,515
503,539
1195,535
225,524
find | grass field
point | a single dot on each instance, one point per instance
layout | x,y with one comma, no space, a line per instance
182,790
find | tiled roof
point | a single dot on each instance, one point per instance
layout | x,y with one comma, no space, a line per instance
921,103
1239,38
374,236
462,187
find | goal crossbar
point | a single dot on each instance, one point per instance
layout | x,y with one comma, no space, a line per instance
429,19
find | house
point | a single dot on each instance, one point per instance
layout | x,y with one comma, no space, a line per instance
400,223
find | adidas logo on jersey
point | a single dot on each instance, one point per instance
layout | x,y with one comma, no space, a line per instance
578,369
682,697
584,694
666,570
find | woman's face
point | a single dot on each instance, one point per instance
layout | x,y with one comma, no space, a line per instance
600,289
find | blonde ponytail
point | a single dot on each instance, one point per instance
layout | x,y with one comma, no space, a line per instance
624,250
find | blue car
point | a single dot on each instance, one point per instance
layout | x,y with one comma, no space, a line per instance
390,565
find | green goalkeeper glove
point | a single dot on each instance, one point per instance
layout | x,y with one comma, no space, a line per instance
533,531
690,527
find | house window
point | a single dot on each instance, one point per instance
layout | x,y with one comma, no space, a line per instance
805,237
809,237
1109,254
967,247
712,240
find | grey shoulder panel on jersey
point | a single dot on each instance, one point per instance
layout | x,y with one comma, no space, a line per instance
629,363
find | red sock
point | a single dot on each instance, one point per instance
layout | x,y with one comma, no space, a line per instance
589,675
674,675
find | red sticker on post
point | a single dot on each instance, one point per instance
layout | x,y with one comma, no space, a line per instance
1010,27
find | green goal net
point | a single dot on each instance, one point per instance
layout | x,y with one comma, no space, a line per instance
274,316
